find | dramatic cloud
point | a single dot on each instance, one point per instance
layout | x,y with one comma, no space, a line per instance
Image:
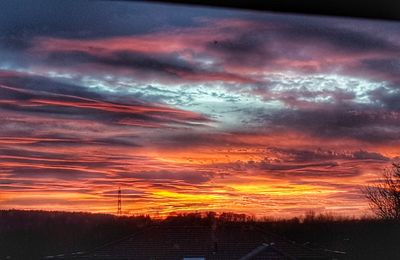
191,109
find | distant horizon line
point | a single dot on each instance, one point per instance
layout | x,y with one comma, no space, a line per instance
203,214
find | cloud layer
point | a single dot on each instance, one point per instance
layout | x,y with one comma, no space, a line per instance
221,110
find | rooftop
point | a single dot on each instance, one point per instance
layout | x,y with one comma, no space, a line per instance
177,242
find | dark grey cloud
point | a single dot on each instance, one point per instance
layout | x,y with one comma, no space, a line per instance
383,68
145,66
60,173
190,177
56,160
387,98
76,102
272,38
364,155
340,38
307,156
292,170
365,123
249,47
23,19
164,65
287,167
299,165
26,86
385,65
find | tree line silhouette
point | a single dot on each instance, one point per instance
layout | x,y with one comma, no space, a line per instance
34,234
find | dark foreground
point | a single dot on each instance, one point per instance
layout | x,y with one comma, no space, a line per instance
35,234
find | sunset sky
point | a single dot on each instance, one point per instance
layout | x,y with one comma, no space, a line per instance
193,109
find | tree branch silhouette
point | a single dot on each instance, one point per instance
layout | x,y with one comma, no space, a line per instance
384,197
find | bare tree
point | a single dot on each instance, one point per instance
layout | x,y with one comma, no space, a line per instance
384,197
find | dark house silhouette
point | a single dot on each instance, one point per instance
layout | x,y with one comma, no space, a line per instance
179,242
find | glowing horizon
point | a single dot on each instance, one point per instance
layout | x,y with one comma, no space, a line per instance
194,109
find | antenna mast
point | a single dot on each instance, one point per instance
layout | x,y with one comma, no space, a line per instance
119,211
